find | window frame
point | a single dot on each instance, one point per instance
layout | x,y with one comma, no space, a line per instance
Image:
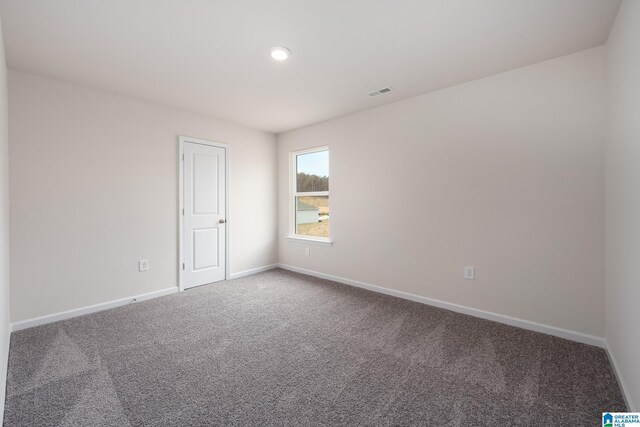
293,194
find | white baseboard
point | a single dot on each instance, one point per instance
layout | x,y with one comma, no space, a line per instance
50,318
623,385
252,271
512,321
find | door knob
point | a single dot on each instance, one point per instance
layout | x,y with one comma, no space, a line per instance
222,221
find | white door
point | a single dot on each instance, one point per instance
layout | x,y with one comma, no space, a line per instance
204,215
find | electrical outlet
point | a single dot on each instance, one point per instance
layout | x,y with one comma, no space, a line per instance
143,265
307,252
469,272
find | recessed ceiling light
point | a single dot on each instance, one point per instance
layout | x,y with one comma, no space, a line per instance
280,53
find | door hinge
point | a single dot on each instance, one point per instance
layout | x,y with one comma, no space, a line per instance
183,157
182,211
183,265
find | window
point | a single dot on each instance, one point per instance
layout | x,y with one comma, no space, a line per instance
310,194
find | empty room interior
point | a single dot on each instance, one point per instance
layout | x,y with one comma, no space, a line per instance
296,212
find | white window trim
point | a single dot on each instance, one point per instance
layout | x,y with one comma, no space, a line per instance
293,194
311,240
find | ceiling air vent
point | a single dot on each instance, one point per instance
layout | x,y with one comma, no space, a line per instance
380,91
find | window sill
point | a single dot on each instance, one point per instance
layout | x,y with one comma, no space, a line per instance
309,240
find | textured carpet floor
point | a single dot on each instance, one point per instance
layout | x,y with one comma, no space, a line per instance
280,348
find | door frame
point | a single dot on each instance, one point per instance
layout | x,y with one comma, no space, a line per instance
181,141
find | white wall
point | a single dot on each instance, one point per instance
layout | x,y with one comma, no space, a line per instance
504,173
622,165
94,188
4,228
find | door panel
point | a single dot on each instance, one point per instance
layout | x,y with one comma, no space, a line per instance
205,248
205,178
204,219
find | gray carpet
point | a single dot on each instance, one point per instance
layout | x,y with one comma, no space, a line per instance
280,348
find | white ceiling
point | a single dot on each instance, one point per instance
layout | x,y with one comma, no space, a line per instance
212,56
